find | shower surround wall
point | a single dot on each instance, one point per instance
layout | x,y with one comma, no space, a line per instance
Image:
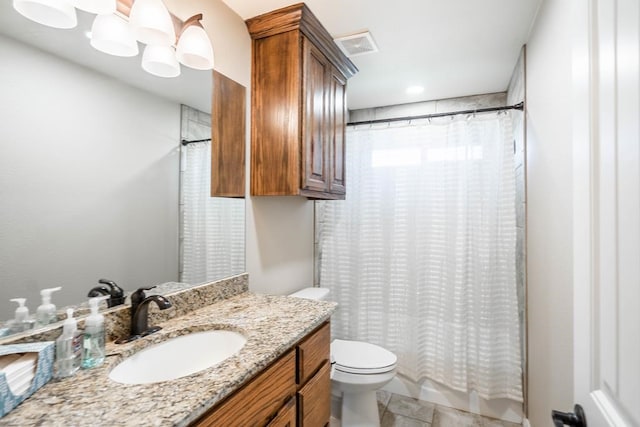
516,94
430,391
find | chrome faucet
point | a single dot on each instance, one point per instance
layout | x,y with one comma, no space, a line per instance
140,312
115,292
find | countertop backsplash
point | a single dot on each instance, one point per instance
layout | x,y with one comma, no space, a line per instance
117,319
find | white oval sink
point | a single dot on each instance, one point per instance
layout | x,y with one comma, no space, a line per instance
178,357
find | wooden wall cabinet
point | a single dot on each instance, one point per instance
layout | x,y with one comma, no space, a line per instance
293,391
298,106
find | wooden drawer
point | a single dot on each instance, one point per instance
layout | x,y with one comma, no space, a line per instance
314,399
259,400
312,352
286,416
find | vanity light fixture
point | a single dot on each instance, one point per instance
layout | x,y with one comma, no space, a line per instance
194,49
152,23
52,13
113,35
160,61
120,22
98,7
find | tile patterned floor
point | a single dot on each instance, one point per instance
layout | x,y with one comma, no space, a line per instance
401,411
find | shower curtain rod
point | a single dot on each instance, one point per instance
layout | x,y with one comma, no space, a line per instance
518,106
185,142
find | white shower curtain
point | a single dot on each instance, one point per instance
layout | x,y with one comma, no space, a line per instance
213,227
421,254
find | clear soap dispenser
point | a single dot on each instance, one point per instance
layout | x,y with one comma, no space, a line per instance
21,322
46,312
68,347
93,341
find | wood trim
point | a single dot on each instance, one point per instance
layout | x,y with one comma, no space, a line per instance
228,137
258,400
300,17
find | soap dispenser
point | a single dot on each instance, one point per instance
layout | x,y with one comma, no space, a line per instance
46,312
21,322
93,340
68,347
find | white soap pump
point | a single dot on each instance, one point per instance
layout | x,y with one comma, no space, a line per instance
68,347
94,336
21,322
46,312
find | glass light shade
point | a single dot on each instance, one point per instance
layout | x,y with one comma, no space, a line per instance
194,48
52,13
113,35
152,23
160,61
99,7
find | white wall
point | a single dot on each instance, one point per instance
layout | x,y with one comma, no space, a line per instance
88,180
279,233
279,244
549,212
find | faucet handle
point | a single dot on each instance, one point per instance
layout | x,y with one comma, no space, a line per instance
116,293
138,296
115,290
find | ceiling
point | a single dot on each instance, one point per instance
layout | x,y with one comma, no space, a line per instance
450,47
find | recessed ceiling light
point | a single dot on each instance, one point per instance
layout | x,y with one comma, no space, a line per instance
414,90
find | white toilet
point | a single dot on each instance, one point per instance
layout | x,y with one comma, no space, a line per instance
358,370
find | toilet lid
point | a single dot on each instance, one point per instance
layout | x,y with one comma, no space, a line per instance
357,357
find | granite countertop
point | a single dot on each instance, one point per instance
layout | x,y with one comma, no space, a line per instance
271,324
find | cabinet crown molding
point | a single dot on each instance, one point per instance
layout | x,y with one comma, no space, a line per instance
299,17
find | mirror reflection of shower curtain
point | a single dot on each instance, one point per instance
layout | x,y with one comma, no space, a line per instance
213,227
421,254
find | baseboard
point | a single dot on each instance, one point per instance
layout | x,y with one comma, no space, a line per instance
502,409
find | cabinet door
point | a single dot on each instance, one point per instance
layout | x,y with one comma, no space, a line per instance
314,399
228,130
336,131
312,352
316,69
257,401
286,415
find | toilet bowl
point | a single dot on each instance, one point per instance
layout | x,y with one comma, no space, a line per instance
358,370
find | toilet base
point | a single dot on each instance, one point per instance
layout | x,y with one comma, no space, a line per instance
360,410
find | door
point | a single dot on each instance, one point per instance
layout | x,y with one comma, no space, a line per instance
336,132
606,126
314,119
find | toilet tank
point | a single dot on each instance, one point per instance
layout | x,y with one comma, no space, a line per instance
312,293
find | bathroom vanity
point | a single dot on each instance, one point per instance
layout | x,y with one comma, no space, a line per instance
280,377
294,390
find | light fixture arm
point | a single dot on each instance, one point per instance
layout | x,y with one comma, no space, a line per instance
194,20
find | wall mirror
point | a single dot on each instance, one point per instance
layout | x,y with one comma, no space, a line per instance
91,170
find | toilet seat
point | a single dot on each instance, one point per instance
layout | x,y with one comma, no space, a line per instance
357,357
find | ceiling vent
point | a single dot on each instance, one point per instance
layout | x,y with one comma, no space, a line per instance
357,44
